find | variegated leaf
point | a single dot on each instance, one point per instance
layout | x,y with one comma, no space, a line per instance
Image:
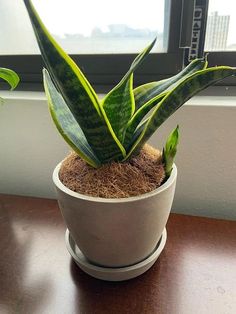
138,117
146,92
176,98
77,93
153,92
169,151
119,107
10,77
119,103
66,123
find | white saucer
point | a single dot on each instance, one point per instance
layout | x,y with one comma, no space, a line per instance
109,273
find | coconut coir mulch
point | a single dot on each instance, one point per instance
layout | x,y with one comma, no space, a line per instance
141,174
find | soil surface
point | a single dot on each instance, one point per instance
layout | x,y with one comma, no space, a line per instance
141,174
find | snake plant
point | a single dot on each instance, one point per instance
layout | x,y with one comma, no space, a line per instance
117,126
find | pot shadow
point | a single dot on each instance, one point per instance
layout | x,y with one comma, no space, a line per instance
17,293
137,295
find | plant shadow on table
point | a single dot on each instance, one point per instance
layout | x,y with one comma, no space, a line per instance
138,295
17,293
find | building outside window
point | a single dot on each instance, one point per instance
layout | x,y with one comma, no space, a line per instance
217,31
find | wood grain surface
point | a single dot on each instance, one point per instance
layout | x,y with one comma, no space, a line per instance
195,274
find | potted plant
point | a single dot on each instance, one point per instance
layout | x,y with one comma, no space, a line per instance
115,232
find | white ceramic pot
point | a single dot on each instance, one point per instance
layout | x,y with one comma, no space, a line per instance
116,232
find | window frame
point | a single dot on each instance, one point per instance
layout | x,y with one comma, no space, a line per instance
215,58
105,70
223,58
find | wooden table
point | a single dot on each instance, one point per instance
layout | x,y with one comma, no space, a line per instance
195,274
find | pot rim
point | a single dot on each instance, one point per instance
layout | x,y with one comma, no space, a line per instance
66,190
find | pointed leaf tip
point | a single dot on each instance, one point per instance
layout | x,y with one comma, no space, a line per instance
10,77
66,123
170,149
119,103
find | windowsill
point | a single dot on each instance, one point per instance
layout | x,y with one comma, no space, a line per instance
215,95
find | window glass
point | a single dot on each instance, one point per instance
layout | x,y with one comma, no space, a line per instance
85,27
221,26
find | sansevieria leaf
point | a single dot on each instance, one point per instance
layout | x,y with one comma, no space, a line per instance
154,92
176,98
77,93
66,123
169,151
119,106
138,116
10,77
119,103
146,92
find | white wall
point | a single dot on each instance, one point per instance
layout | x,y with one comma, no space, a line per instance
206,160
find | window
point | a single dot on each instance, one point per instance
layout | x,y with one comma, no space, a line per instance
102,69
100,27
106,41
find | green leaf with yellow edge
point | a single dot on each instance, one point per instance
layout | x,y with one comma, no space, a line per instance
153,93
77,93
169,151
119,103
66,123
175,99
146,92
10,77
138,117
